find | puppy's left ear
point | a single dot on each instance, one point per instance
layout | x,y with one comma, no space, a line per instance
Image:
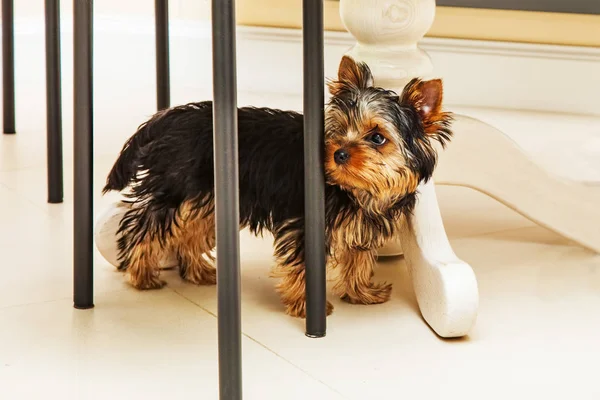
426,98
352,75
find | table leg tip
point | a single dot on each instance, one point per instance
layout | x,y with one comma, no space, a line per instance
83,306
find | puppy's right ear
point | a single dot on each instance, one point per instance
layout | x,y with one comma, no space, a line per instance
426,98
351,76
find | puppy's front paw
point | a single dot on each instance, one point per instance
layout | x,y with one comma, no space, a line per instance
375,293
201,276
153,282
298,309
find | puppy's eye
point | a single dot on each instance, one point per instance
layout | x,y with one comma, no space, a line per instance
377,139
352,103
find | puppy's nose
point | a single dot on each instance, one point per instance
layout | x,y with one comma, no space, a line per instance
341,156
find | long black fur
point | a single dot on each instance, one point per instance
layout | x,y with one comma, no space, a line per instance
169,161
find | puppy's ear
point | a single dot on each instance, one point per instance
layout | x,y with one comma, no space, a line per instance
426,98
351,75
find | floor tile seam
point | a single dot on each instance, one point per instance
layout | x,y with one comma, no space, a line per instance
58,299
29,201
504,230
264,346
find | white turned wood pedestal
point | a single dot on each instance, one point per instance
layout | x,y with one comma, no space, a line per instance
479,157
483,158
387,32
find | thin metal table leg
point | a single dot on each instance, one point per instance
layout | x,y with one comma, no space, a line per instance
53,103
163,95
8,66
314,187
83,155
227,199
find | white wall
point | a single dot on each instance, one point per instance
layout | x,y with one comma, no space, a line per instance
184,9
476,73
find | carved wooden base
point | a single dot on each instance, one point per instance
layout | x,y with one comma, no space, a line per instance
483,158
445,286
387,33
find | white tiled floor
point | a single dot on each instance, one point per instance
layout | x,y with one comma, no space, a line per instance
536,336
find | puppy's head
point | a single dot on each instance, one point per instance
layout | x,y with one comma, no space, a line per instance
376,142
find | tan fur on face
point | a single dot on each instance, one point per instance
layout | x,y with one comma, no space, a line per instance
380,171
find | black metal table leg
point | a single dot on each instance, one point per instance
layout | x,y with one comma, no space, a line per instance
53,103
83,155
227,199
163,95
8,66
314,187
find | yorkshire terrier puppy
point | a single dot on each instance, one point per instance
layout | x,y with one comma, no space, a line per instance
378,148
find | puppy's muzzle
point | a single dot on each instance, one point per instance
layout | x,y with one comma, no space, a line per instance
341,156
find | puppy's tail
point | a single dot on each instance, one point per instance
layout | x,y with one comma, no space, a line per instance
126,166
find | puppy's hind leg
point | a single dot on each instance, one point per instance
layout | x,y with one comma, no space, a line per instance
194,239
141,245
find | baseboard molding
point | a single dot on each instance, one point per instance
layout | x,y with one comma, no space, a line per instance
493,74
476,73
450,22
